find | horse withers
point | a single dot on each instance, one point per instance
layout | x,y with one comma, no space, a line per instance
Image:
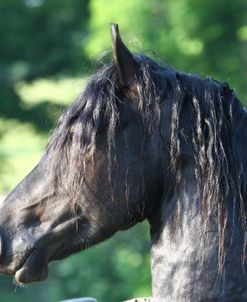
142,141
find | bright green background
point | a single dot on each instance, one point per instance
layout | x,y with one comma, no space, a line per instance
48,48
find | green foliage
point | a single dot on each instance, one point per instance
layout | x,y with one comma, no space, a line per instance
10,292
46,42
20,149
206,37
39,38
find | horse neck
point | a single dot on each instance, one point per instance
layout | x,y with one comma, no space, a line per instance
185,255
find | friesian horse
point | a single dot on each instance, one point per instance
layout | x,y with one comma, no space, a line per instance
142,141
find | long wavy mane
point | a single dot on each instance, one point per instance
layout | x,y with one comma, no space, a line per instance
97,107
217,123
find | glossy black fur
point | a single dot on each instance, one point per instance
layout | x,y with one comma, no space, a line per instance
158,144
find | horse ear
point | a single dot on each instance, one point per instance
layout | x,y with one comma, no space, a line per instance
126,64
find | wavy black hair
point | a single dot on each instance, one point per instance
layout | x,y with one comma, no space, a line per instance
217,137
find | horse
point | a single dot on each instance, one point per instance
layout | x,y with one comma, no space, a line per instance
142,141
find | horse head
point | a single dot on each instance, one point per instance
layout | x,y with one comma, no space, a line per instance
142,141
99,174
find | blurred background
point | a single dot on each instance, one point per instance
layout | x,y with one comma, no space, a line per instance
48,48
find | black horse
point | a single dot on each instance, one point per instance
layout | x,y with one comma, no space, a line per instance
142,141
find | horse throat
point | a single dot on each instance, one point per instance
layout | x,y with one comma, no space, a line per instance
184,255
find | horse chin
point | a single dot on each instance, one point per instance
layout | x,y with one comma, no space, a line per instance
34,269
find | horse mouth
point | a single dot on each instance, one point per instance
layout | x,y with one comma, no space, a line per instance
34,268
32,265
